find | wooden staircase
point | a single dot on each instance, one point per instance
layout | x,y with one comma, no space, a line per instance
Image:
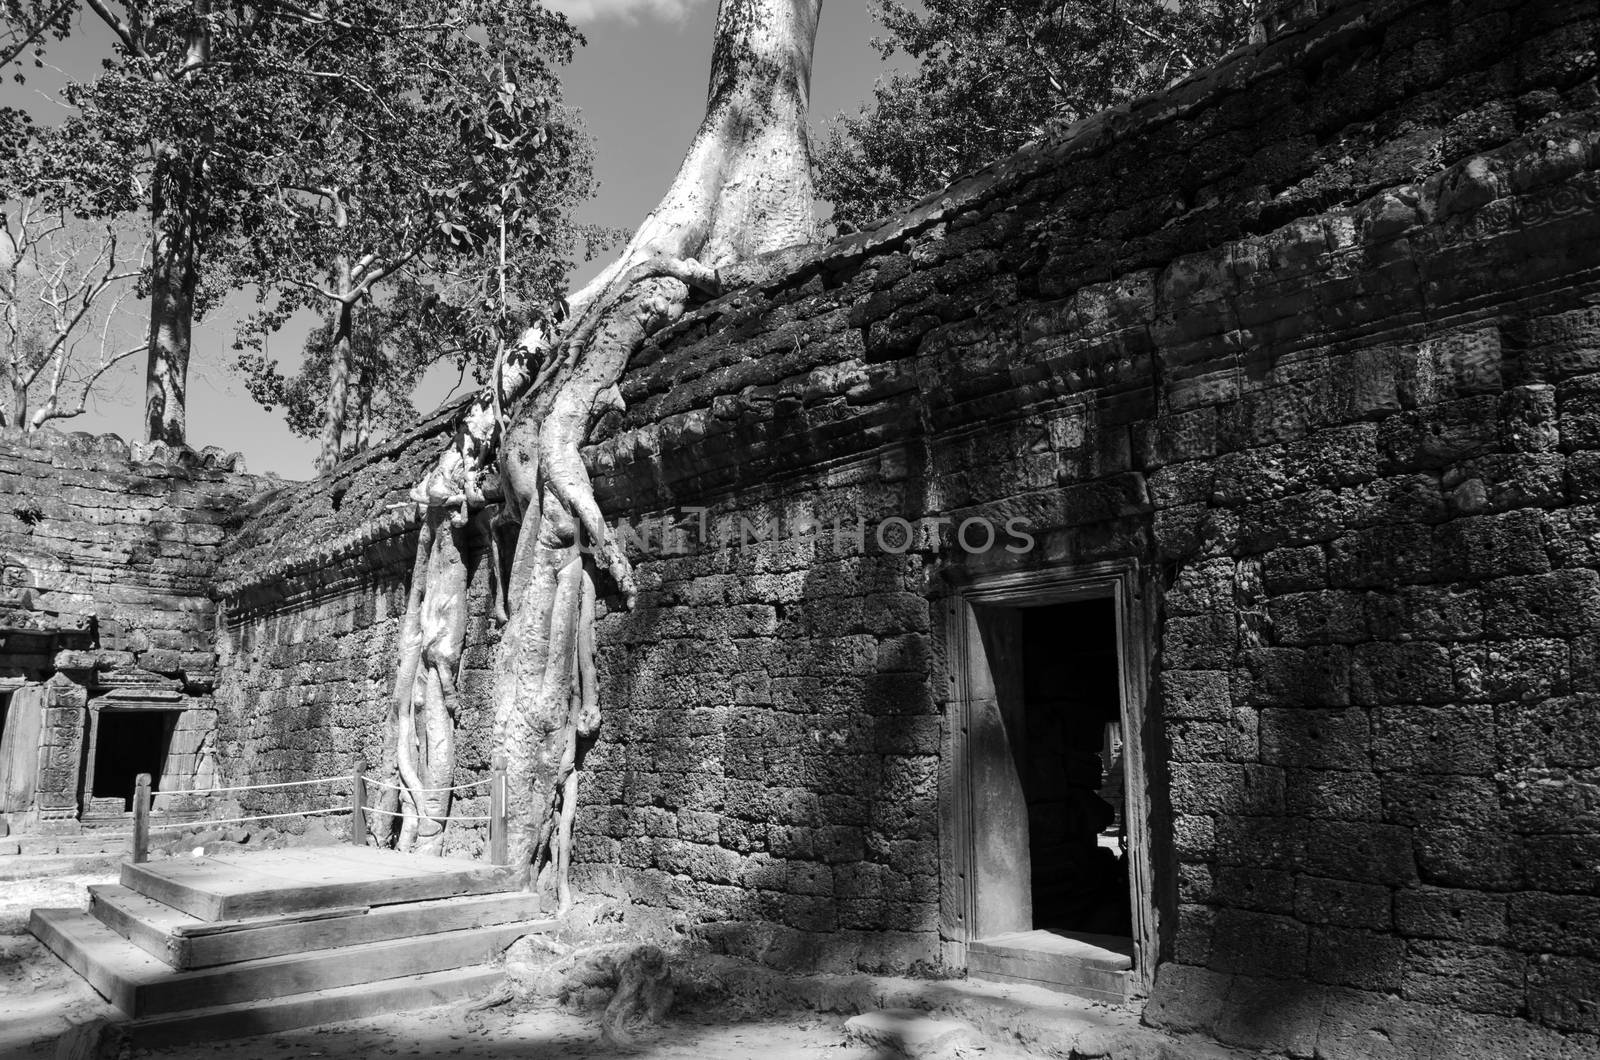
240,944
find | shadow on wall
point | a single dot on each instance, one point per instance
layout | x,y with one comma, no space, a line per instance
1353,896
774,770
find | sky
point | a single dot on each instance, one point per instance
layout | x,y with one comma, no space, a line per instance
640,85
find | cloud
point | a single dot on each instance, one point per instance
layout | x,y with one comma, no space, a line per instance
582,11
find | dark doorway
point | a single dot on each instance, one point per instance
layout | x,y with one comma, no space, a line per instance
1071,768
127,743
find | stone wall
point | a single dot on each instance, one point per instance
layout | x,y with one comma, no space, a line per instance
1310,343
127,544
109,562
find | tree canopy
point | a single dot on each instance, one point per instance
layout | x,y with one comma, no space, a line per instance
993,74
434,146
314,148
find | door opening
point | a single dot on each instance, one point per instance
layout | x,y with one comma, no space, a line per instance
1048,809
127,743
1071,769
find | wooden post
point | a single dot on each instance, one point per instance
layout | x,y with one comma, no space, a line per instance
497,810
141,819
358,807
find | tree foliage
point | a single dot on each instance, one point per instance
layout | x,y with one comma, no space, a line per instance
388,360
315,148
993,74
431,148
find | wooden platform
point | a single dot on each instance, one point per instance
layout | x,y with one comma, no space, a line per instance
240,944
272,882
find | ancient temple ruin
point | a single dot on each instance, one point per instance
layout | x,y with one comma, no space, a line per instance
1162,566
108,660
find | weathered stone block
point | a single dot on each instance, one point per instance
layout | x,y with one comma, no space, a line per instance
1200,788
1561,993
1260,944
1559,604
1333,794
1254,887
1343,903
1322,617
1261,843
1366,960
1212,741
1365,1026
1425,612
1361,852
1186,998
1517,670
1462,976
1470,855
1445,913
1316,739
1270,1015
1383,558
1401,673
1449,739
1293,570
1491,546
1299,677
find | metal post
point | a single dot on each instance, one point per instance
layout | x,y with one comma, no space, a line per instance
141,819
497,809
358,807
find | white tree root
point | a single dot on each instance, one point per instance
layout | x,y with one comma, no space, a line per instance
743,189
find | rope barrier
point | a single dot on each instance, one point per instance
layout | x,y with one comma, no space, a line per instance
256,787
240,820
422,817
399,787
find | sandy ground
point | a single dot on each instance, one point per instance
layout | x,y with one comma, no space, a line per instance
41,999
537,1035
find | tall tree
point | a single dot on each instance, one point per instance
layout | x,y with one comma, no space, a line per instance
385,159
743,189
163,99
994,74
199,100
63,283
387,360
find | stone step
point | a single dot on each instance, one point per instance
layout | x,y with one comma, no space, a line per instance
142,985
185,942
1097,967
41,866
222,1022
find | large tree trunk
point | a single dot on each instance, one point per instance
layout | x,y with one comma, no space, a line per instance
743,189
174,275
745,185
333,419
339,371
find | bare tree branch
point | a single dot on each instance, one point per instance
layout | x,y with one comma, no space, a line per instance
62,285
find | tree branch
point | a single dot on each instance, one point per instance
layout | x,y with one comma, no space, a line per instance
118,27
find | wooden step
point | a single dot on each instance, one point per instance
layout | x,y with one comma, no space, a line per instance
237,886
143,921
187,942
142,985
1097,967
307,1010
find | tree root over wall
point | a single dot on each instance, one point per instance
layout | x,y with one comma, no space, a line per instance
743,189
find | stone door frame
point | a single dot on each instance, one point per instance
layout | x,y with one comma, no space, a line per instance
110,705
968,676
